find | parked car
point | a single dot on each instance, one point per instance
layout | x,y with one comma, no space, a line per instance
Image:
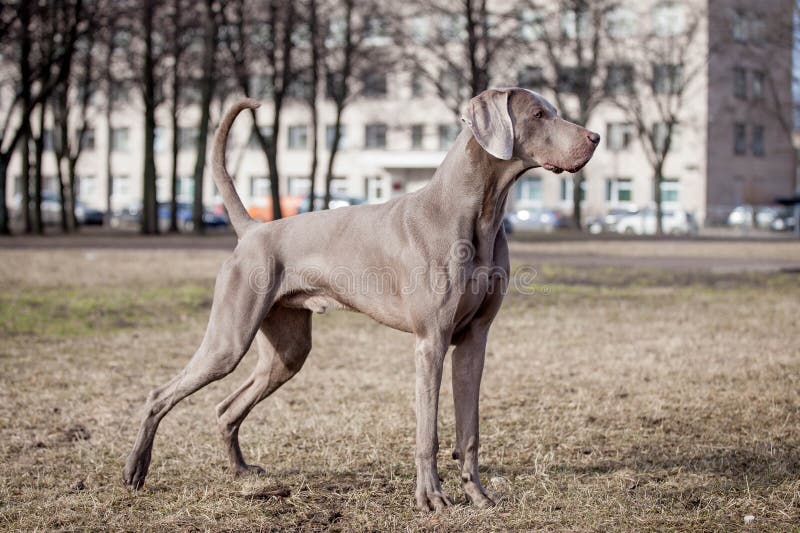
51,208
88,216
262,207
607,222
131,216
643,222
784,221
336,202
537,219
742,216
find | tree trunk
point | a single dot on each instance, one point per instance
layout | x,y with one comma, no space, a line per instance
337,135
38,144
209,80
577,190
4,222
657,198
26,77
26,177
315,49
173,202
149,207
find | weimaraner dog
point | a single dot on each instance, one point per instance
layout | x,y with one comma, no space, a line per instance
445,252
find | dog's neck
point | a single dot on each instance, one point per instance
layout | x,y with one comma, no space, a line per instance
473,185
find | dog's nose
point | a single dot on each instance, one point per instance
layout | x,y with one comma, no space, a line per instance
593,137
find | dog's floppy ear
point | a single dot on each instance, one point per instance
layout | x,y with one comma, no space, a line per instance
488,118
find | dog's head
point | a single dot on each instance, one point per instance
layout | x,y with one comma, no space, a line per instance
519,124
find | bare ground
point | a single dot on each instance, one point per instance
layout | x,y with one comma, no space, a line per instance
616,397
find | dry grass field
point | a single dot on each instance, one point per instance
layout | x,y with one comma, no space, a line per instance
614,398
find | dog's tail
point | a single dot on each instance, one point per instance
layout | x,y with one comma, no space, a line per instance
240,219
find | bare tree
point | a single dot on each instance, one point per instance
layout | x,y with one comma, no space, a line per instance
459,55
663,67
181,22
265,62
316,44
569,37
39,70
211,15
69,132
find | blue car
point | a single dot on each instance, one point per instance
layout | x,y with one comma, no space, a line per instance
131,217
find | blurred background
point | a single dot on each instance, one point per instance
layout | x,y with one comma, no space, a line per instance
108,107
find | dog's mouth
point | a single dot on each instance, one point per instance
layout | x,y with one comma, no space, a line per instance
552,168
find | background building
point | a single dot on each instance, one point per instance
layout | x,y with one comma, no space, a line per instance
731,140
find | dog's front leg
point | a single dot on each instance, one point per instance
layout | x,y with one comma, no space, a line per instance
468,359
429,359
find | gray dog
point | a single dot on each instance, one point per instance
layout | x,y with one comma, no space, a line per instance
445,253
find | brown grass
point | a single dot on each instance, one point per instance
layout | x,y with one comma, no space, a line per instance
659,402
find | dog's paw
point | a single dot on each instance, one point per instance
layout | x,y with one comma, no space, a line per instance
248,470
479,496
134,473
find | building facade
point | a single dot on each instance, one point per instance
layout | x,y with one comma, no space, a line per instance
731,147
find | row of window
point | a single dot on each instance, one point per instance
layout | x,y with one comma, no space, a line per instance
617,190
375,135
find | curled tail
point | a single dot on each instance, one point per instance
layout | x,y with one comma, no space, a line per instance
240,219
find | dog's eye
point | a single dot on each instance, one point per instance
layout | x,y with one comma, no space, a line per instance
538,114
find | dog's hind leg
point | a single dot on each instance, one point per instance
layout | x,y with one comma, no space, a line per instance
236,314
283,345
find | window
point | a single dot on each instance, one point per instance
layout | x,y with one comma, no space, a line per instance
87,141
576,23
450,81
666,78
452,26
758,85
337,27
661,133
48,141
620,23
758,29
374,188
531,24
619,190
447,135
259,187
333,84
528,190
298,137
159,139
376,30
619,79
669,19
417,85
417,131
572,80
120,185
739,139
670,191
619,136
260,86
740,83
739,26
119,139
566,194
419,28
298,186
266,132
531,78
185,189
299,88
187,138
330,131
374,83
758,141
87,187
375,135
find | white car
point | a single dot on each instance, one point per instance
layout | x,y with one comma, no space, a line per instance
673,222
742,216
